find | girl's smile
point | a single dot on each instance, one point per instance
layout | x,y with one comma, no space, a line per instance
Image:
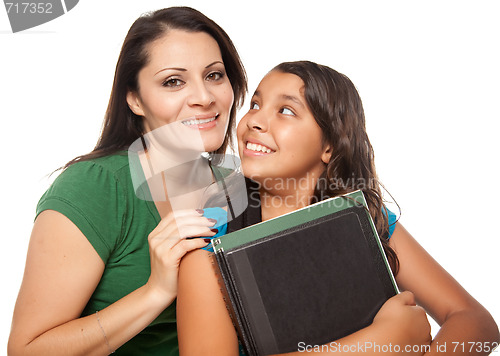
279,136
256,148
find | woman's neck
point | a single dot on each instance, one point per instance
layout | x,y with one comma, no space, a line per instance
181,187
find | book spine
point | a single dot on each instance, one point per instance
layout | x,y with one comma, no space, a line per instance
222,286
220,268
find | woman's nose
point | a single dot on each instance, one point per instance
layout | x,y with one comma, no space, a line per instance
200,95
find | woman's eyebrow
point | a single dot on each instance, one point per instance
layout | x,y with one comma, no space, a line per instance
185,70
177,69
214,63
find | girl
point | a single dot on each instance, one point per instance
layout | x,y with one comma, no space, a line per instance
306,126
101,270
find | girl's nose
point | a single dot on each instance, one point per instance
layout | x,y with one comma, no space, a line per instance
257,121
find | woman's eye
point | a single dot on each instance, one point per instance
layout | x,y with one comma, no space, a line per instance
172,83
254,106
286,111
214,76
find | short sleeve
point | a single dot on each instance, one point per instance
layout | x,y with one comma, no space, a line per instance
93,199
220,215
392,219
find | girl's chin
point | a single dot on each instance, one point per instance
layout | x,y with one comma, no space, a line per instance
254,172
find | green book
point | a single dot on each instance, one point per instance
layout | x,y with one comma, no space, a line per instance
305,278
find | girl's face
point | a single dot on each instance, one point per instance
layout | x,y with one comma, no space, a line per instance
185,81
279,137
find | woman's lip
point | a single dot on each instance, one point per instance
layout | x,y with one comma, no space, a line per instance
200,117
205,125
204,116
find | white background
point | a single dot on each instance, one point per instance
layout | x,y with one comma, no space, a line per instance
427,71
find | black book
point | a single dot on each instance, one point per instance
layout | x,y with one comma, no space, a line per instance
305,278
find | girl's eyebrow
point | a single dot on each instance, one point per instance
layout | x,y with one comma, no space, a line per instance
285,97
292,98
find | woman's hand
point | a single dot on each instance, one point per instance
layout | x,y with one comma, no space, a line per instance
169,242
404,323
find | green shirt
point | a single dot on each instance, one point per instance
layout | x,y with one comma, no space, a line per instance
98,197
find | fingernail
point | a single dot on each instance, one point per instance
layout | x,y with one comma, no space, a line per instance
207,240
214,230
200,211
213,221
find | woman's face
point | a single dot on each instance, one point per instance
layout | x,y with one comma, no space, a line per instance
185,82
279,137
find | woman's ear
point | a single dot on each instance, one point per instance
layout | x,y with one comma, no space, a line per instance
327,154
134,103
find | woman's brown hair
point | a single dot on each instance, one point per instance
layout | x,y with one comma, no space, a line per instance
121,126
337,108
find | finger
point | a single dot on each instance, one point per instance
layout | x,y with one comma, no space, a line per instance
167,241
420,310
181,228
174,215
197,231
174,222
186,246
195,220
194,234
407,298
184,226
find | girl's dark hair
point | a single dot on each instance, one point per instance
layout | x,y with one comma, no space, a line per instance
121,126
336,106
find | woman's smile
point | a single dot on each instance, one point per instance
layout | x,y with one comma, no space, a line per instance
202,122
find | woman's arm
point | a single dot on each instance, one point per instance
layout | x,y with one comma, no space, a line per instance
62,271
204,326
461,317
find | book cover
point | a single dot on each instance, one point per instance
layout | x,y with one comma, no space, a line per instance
308,277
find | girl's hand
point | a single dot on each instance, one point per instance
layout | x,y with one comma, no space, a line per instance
169,242
404,323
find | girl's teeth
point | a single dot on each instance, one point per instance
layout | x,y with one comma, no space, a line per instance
258,148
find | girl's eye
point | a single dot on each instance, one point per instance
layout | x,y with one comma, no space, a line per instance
215,76
172,83
286,111
254,106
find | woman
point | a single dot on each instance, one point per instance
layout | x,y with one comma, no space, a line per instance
306,127
102,264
